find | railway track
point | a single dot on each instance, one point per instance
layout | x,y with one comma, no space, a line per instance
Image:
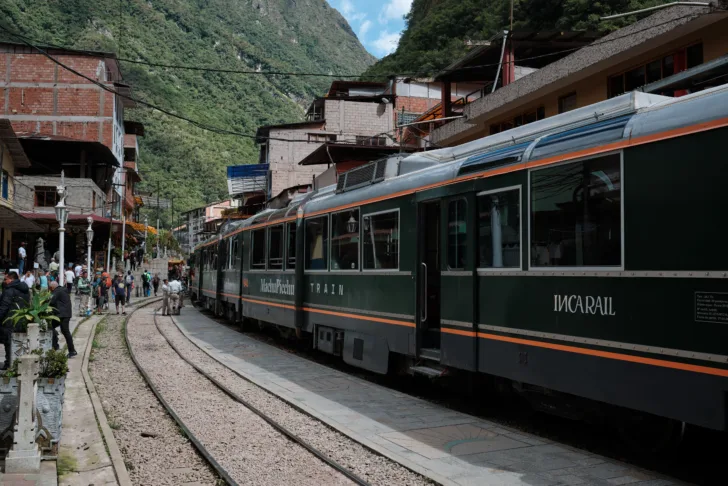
167,368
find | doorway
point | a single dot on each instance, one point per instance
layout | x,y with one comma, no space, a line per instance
428,284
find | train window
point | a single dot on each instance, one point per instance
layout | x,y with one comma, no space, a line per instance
345,240
317,239
291,250
257,253
380,241
457,229
275,248
234,252
576,215
499,229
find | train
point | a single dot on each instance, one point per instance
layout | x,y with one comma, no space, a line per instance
580,259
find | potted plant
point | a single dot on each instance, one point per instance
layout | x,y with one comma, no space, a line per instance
51,383
38,310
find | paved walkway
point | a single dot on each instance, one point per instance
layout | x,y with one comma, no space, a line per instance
449,447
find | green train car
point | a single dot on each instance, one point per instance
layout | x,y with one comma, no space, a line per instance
580,256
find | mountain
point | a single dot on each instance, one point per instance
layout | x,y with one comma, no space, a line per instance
436,29
269,35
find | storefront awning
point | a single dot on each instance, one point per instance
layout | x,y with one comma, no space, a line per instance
13,221
140,227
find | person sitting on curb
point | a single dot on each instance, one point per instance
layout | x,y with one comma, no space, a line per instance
165,298
119,293
61,303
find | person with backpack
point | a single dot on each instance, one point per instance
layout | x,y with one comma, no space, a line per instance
145,283
119,293
83,287
15,294
100,292
129,286
155,283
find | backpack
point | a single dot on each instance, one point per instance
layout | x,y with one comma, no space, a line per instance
145,277
129,279
107,282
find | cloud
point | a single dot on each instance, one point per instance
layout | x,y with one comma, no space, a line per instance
346,8
386,43
363,29
394,10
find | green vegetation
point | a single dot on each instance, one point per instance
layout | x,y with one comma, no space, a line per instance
66,463
38,310
436,29
275,35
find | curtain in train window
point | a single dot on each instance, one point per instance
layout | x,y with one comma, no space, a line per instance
275,249
499,229
576,216
291,255
317,247
345,240
380,239
257,255
456,233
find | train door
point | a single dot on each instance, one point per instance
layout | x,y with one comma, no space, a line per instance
428,281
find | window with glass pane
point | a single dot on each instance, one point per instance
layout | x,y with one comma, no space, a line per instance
576,214
257,254
317,242
380,241
456,232
275,251
499,229
291,252
345,240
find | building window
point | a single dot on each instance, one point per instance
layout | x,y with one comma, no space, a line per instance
373,141
381,241
291,255
45,196
655,70
345,240
257,253
567,102
457,230
5,184
317,242
522,119
499,229
404,118
275,248
576,217
321,138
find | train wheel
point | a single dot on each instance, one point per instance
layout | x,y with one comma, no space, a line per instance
649,434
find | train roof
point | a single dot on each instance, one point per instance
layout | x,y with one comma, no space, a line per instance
627,116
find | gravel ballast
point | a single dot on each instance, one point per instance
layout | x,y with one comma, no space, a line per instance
368,465
247,447
154,450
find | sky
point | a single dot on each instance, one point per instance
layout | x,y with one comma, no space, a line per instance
377,23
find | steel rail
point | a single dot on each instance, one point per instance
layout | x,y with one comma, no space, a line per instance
280,428
188,433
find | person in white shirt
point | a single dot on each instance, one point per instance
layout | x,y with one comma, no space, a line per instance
29,280
53,267
78,270
175,288
21,258
70,276
165,297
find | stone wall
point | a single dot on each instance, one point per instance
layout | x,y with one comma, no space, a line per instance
83,195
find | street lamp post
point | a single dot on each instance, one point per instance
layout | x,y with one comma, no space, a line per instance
90,238
146,226
62,217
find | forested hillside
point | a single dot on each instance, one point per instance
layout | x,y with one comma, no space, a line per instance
436,29
281,35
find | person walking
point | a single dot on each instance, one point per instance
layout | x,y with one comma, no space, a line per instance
44,278
119,293
145,283
99,292
22,255
54,266
165,298
63,309
132,261
155,283
70,277
15,294
29,280
174,290
129,286
83,287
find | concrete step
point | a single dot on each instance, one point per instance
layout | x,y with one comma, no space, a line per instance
431,354
428,371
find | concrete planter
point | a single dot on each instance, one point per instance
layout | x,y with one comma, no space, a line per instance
19,344
49,406
49,410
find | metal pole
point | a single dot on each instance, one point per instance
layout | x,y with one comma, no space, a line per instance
159,237
61,251
146,226
123,241
89,271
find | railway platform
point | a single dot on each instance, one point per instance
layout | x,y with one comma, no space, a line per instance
447,446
